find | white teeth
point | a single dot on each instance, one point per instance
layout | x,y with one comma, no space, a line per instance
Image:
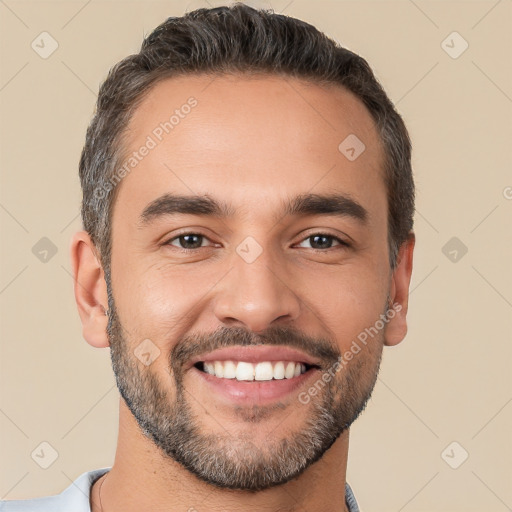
290,370
244,371
209,368
264,370
229,370
279,370
219,369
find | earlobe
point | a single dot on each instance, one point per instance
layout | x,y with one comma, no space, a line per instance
399,293
90,289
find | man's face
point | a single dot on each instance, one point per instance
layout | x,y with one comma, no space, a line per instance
258,277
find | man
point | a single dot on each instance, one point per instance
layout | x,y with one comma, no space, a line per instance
247,253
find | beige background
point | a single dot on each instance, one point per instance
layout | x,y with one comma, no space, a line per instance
450,380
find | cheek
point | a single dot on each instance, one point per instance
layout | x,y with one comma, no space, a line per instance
345,301
159,301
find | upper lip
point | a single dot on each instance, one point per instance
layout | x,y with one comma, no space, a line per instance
255,354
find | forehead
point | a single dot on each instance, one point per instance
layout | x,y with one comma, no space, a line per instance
249,138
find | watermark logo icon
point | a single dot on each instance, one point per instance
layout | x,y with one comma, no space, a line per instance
454,45
146,352
44,250
249,250
44,455
454,249
44,45
351,147
454,455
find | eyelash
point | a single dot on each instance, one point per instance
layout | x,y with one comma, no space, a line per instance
341,242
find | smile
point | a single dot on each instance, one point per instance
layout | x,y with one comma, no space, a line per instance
256,374
247,371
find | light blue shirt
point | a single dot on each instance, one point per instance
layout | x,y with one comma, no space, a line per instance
75,498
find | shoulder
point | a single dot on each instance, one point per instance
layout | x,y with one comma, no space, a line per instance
48,503
74,498
350,499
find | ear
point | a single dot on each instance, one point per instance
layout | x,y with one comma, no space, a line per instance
396,328
90,289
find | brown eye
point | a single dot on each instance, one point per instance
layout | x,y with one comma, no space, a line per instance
188,241
320,241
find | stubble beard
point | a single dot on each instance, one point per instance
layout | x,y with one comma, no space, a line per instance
221,459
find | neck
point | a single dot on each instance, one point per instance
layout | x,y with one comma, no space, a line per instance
142,478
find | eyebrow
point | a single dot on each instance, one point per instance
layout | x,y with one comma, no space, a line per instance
302,205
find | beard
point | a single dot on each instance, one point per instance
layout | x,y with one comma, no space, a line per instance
223,459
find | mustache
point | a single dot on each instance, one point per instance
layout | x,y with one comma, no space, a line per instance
193,345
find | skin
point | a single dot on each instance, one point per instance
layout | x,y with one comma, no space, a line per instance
253,142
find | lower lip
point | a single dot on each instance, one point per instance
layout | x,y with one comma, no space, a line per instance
260,392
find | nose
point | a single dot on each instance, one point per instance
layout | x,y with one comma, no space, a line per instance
256,295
